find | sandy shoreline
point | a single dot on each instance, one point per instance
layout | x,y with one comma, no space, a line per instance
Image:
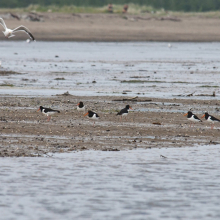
116,27
25,132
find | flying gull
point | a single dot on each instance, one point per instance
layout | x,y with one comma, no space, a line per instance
9,33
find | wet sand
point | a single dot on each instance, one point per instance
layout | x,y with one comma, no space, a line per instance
116,27
152,124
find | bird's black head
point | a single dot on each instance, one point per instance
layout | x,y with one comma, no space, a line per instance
206,115
80,104
189,114
90,113
40,108
128,106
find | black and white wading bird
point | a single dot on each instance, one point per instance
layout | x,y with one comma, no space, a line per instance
10,33
48,112
92,115
124,111
81,107
210,118
192,118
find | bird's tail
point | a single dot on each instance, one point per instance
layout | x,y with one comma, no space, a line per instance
11,36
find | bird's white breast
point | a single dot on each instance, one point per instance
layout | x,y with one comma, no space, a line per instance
44,112
124,114
209,119
81,109
193,119
48,113
95,117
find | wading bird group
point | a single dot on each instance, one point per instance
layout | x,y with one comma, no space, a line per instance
194,119
81,108
124,112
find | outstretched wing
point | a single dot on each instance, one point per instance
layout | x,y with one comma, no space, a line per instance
23,28
3,23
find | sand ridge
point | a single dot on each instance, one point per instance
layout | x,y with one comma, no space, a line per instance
26,132
117,27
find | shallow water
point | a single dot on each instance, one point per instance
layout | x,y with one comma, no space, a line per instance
89,68
136,184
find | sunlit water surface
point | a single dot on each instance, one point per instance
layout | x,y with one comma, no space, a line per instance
135,184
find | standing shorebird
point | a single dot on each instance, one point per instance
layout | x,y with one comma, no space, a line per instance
92,115
48,112
124,111
192,118
10,33
211,119
81,107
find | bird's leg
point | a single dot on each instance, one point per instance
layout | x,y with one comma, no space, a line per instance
212,126
93,124
49,117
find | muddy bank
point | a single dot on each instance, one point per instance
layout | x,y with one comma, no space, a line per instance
116,27
156,123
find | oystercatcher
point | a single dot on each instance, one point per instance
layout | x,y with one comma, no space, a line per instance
124,111
48,112
9,33
210,118
92,115
192,117
80,107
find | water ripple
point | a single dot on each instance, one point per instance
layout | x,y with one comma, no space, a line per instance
137,184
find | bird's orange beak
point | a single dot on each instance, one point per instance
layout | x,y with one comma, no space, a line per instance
130,108
203,116
86,114
78,104
186,114
38,110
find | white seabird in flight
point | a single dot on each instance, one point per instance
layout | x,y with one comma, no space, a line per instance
9,33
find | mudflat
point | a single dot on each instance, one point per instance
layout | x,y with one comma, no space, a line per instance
152,123
119,27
